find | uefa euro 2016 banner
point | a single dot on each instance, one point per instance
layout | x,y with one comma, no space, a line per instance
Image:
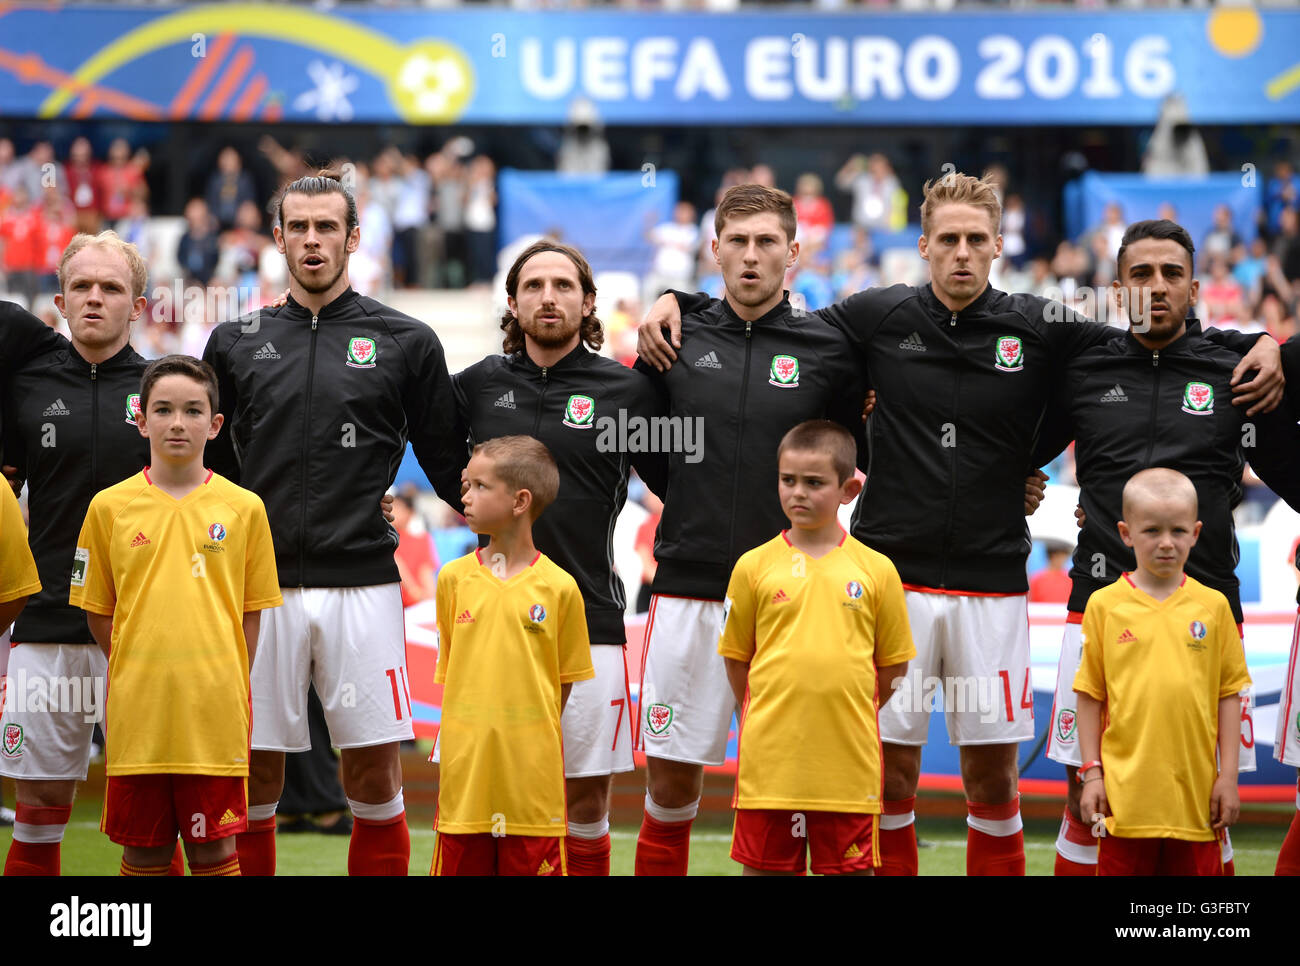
258,62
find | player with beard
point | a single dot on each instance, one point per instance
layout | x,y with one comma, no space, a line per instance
550,384
757,368
964,374
321,396
70,431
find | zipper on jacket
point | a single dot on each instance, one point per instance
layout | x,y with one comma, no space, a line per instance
302,463
952,494
1155,398
541,397
94,426
953,321
740,435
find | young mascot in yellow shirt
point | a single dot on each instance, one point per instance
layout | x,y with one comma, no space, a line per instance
815,632
1158,692
512,639
173,567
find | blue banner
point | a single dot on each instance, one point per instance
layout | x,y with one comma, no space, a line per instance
267,62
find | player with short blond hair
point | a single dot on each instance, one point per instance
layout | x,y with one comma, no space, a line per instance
1158,692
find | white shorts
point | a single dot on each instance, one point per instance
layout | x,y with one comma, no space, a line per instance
1063,740
1286,745
685,707
349,641
53,695
974,651
597,720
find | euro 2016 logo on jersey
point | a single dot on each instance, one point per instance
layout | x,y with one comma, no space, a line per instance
1198,399
133,409
537,613
217,532
784,373
361,353
1010,354
853,589
579,412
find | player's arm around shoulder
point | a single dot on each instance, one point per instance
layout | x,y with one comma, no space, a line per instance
437,432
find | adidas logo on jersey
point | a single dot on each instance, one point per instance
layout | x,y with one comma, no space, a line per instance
709,361
507,401
780,597
853,852
545,868
266,352
465,618
140,539
1128,637
1114,394
229,818
913,343
57,408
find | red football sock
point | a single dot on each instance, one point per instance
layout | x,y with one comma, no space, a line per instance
1076,849
379,847
995,839
1288,860
663,848
588,856
178,860
33,821
256,847
898,845
142,871
228,866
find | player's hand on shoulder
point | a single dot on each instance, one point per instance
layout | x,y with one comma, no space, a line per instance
1079,516
1035,491
386,505
281,300
1263,393
651,344
868,404
1225,802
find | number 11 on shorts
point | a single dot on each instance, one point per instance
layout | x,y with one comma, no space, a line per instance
399,694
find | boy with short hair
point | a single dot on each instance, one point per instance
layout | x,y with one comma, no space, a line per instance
172,567
815,633
512,639
1162,669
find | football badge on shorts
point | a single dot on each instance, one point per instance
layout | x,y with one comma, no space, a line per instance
133,409
1198,399
1065,723
1010,354
13,741
362,353
579,412
784,373
657,719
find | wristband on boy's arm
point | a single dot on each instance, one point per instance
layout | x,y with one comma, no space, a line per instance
1086,766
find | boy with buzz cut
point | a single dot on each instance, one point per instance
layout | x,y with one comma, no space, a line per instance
172,567
815,633
1158,690
512,639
